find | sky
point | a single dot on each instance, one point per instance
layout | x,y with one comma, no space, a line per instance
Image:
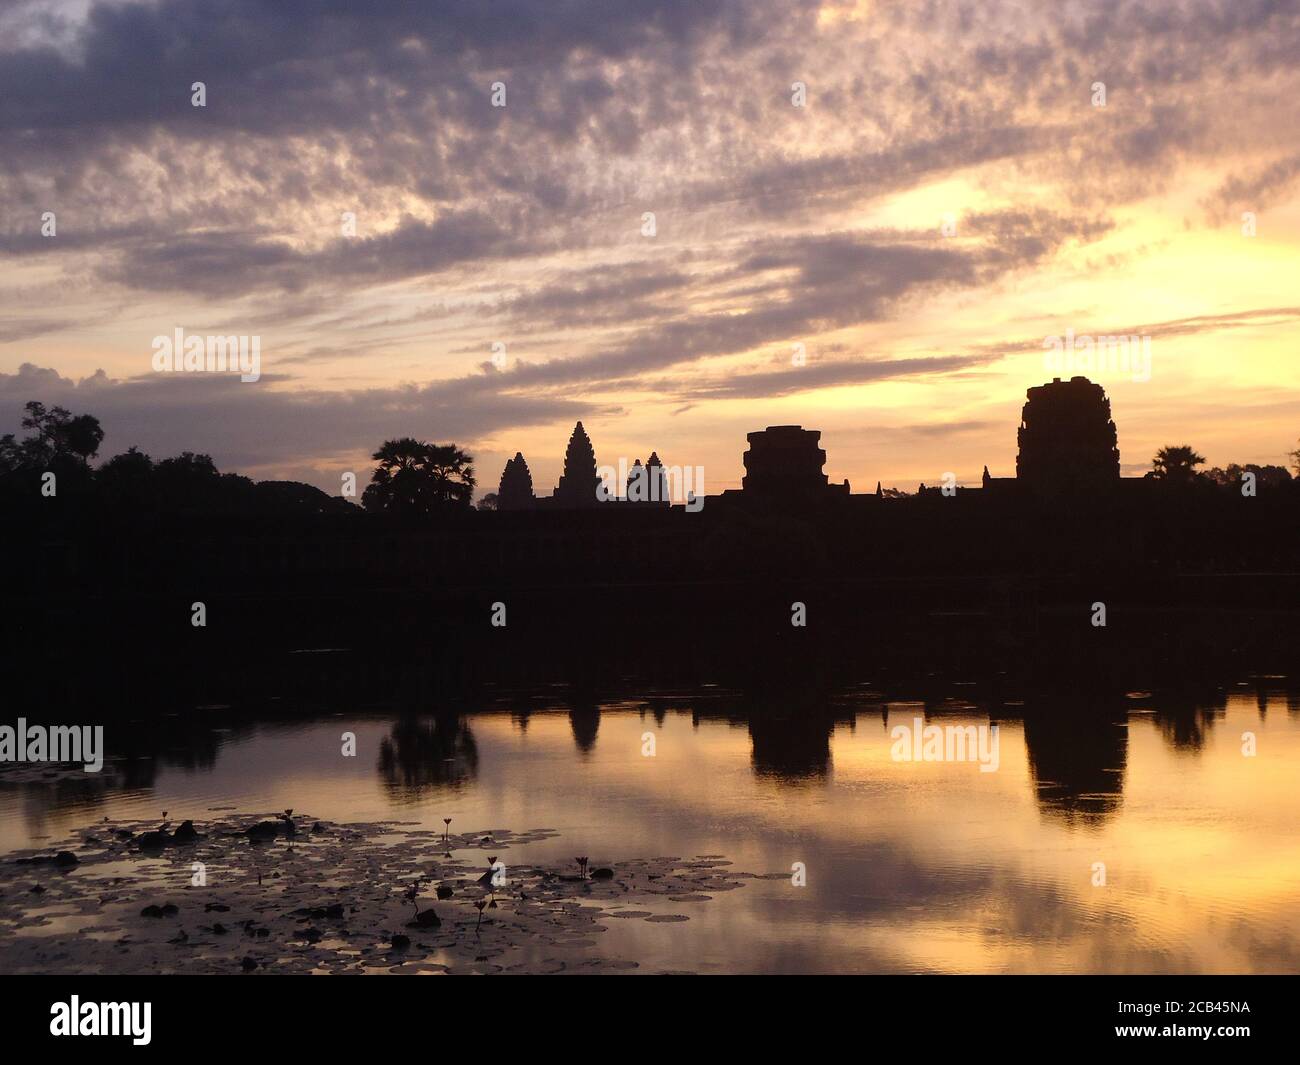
690,219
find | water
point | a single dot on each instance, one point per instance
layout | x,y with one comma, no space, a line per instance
910,867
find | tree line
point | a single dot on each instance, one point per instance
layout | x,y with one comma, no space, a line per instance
411,479
1177,464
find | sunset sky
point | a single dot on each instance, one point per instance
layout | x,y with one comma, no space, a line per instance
947,197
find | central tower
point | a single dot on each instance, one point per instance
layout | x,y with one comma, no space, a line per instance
785,461
577,487
1067,439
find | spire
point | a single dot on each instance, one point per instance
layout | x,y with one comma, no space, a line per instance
516,489
656,480
879,490
986,477
636,490
577,487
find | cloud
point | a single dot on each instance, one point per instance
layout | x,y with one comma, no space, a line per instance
801,285
773,383
776,223
1176,327
252,427
237,263
1254,191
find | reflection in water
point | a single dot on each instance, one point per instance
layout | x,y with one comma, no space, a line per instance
138,748
584,718
790,729
424,753
917,866
1077,749
791,749
1186,717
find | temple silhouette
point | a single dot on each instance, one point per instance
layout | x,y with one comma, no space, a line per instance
985,578
1067,440
1068,449
579,483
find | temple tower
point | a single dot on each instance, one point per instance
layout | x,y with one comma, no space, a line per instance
577,487
785,462
1067,439
516,489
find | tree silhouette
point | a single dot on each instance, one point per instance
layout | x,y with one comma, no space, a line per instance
416,479
64,433
1295,460
1265,476
1177,463
489,502
13,455
186,480
127,478
61,437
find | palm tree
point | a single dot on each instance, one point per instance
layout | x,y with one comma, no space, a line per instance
1177,463
416,479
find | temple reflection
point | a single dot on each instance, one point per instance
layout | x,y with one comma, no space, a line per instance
421,753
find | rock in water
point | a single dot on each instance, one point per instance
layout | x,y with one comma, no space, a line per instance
65,859
426,919
154,841
262,831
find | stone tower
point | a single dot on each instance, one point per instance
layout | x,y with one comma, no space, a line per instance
516,489
577,487
656,479
1067,439
785,462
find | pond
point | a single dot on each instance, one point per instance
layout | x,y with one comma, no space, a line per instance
1154,836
